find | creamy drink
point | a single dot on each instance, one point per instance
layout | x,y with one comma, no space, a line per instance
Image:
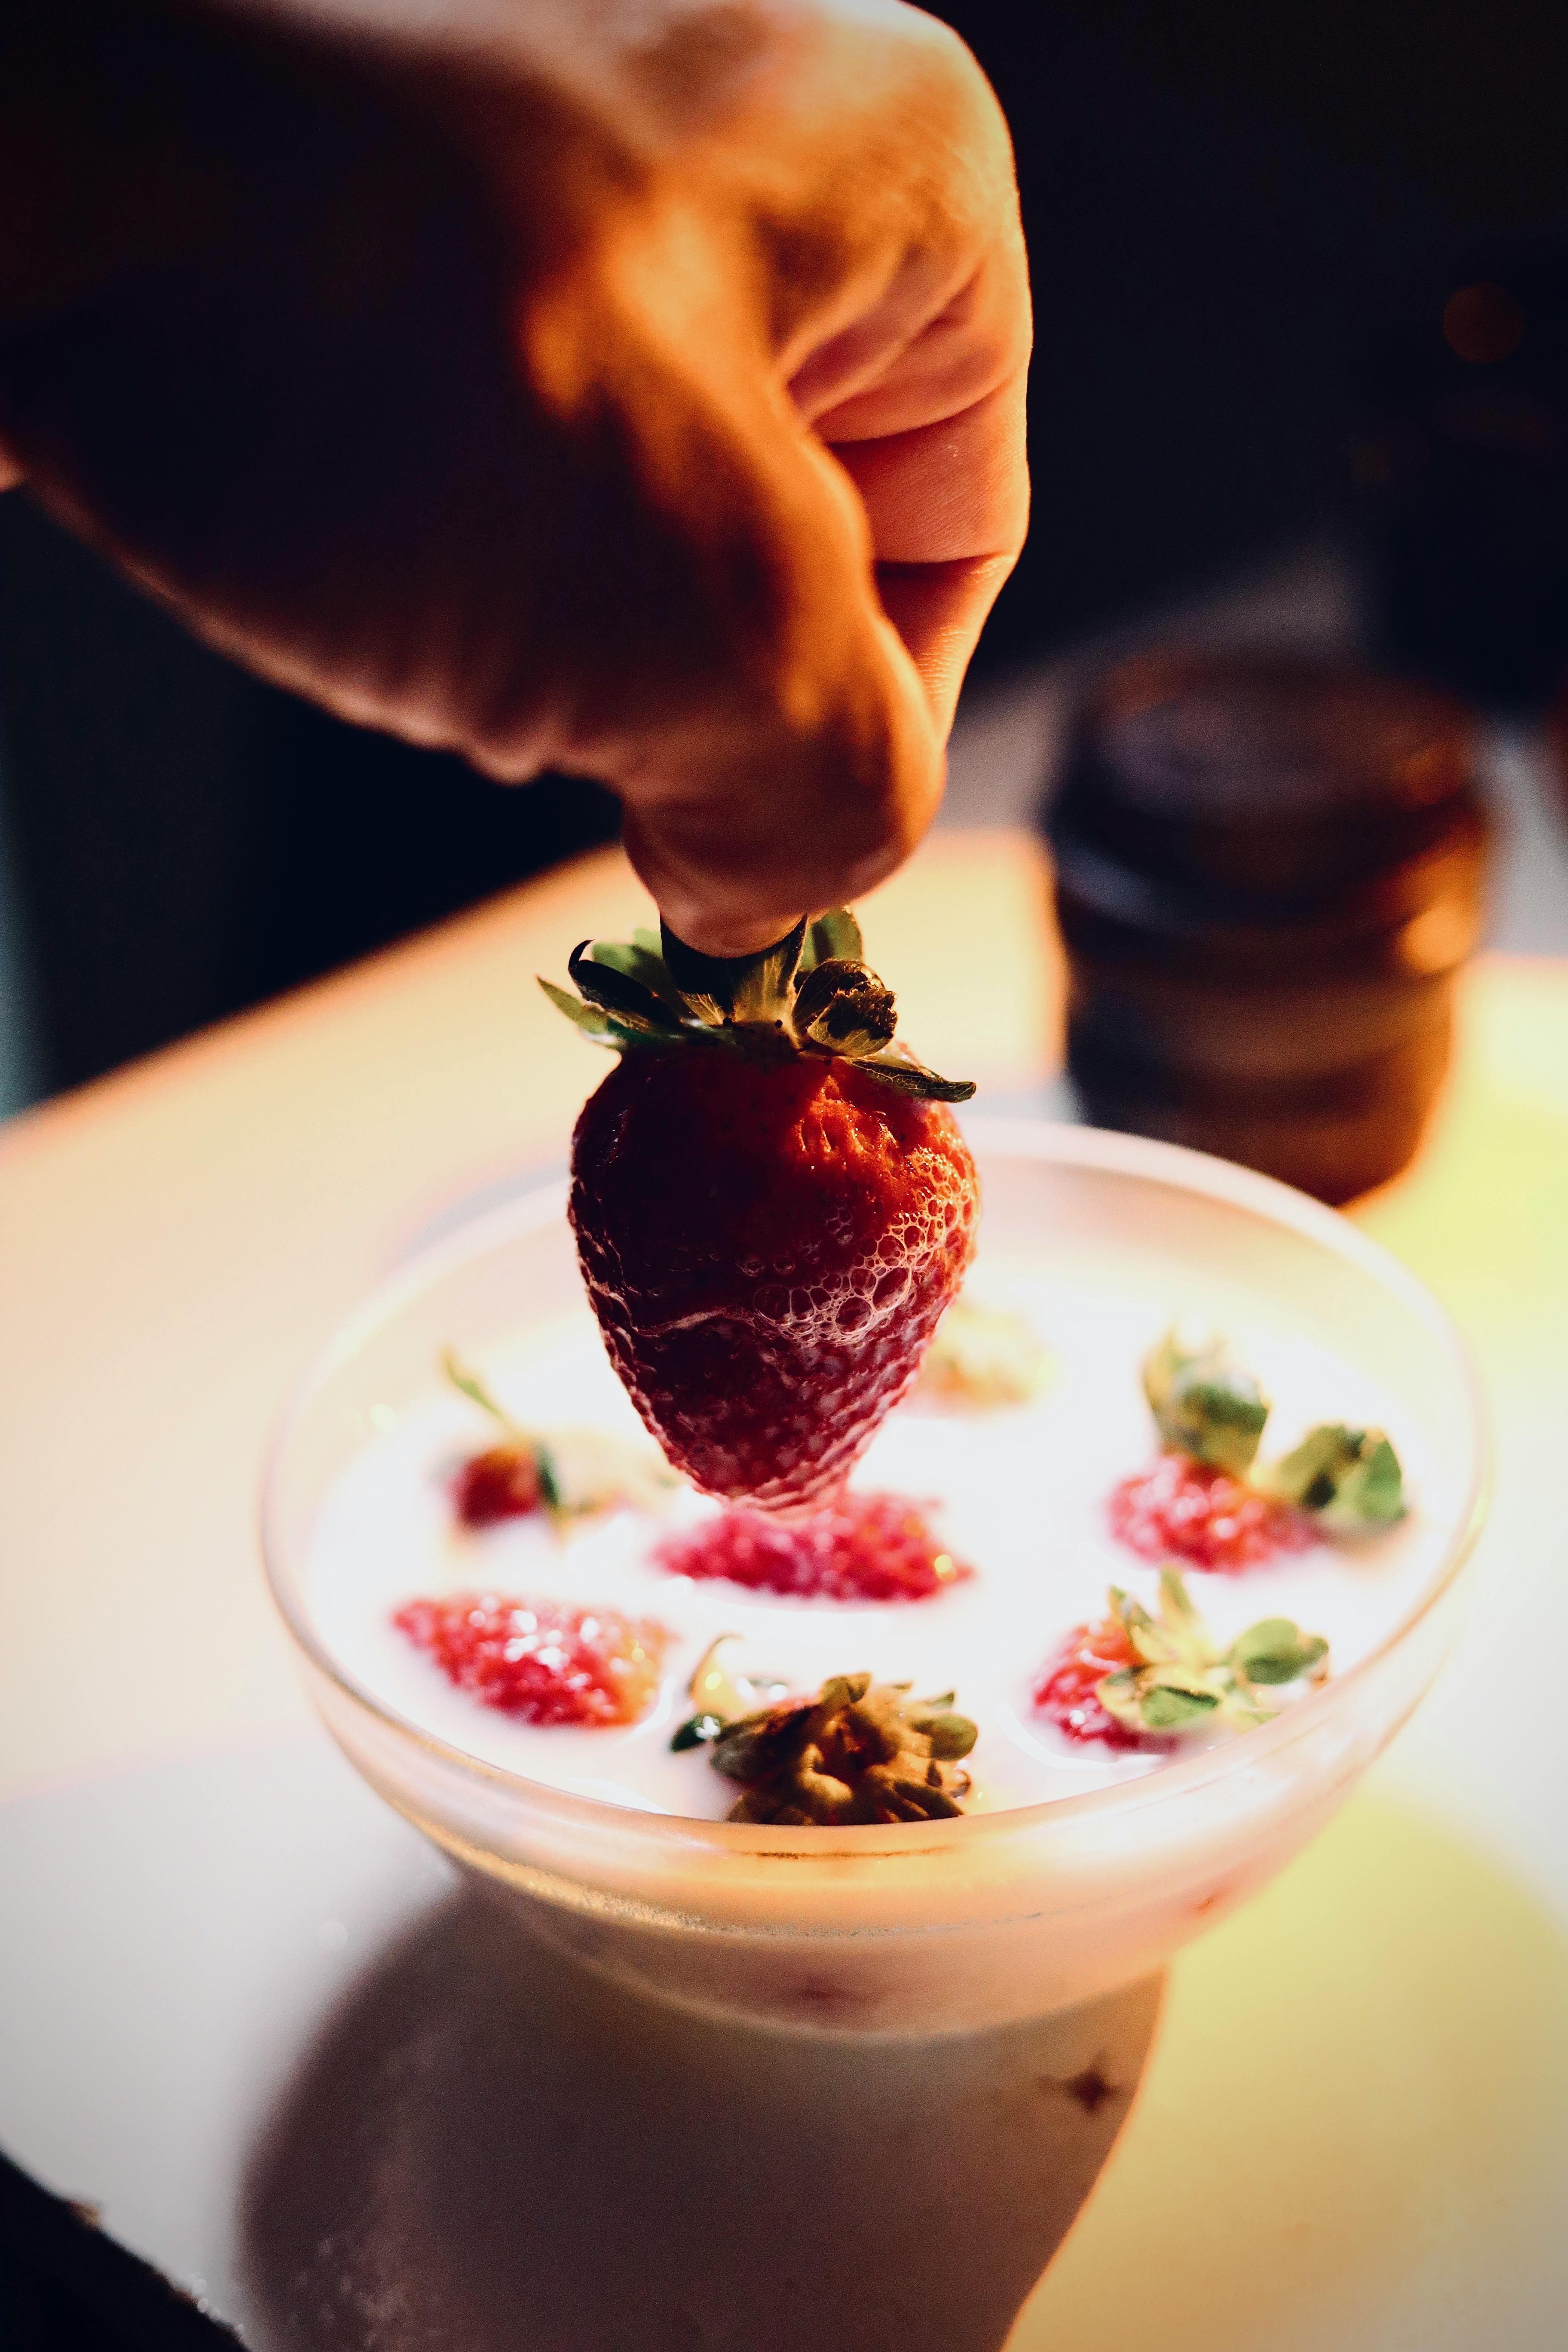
1015,1496
1038,1867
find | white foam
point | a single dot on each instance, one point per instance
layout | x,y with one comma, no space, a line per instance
1021,1498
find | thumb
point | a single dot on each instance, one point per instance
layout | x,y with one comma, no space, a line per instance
807,763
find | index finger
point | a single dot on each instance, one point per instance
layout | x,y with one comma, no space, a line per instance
936,448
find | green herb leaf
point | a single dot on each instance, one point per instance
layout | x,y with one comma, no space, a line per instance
1203,1404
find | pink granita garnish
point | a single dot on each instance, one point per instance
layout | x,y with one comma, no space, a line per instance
541,1660
860,1547
1181,1509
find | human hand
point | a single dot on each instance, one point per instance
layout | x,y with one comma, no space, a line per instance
632,389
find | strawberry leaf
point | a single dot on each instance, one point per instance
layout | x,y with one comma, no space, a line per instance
615,1030
1180,1678
833,937
1174,1706
617,991
844,1008
809,993
1349,1480
752,988
762,991
468,1383
899,1068
1176,1609
641,962
1275,1651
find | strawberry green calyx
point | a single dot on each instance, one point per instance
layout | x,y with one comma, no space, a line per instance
1182,1678
721,1697
810,994
466,1382
1349,1480
1204,1404
580,1472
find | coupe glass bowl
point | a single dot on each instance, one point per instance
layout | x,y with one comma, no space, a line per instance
930,1926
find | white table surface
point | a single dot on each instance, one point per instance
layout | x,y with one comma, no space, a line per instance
241,2013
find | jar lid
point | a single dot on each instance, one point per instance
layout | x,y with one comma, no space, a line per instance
1262,771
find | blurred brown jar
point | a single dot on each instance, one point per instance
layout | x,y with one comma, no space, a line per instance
1268,871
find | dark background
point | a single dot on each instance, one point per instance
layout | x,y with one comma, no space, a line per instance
1226,205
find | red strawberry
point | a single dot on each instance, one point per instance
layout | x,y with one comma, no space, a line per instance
1195,1512
541,1659
771,1203
862,1548
502,1483
1069,1690
506,1481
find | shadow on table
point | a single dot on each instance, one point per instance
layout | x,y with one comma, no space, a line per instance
490,2147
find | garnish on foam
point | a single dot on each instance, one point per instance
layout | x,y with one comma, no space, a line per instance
1207,1500
857,1751
1133,1679
1187,1510
859,1547
771,1203
543,1661
1349,1480
572,1473
982,1357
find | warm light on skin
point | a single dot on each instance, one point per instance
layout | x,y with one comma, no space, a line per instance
688,455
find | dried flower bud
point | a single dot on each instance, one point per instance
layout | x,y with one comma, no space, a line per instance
861,1751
